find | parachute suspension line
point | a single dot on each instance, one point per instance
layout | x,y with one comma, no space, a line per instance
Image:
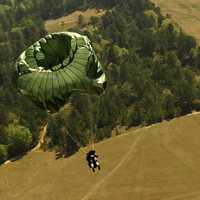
94,128
45,107
75,141
93,142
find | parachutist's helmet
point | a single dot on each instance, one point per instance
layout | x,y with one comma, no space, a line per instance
54,67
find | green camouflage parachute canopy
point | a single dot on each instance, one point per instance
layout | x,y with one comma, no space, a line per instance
51,69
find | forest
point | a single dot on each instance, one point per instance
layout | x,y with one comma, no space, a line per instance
152,68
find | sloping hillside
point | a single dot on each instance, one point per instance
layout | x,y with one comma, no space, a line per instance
152,163
186,13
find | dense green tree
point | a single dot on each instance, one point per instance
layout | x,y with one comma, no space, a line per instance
19,139
3,153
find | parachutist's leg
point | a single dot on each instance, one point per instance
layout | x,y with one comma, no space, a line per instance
98,165
93,169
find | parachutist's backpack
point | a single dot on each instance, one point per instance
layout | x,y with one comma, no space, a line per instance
89,155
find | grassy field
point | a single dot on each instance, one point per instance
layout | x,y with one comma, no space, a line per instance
66,22
186,13
152,163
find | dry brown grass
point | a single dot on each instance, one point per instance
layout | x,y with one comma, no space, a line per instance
154,163
70,21
186,13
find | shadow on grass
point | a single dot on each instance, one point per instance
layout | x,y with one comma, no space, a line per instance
65,152
14,159
18,157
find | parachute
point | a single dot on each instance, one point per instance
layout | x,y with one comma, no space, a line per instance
54,67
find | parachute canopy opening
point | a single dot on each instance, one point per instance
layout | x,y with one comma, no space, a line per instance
51,69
